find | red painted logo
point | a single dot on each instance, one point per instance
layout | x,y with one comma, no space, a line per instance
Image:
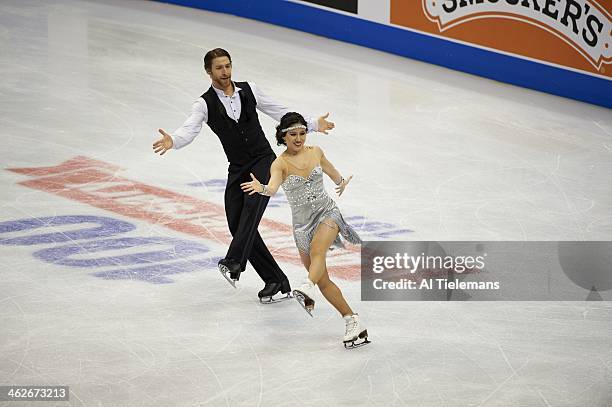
96,183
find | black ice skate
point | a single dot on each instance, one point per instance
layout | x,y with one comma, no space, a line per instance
304,296
356,334
230,270
266,296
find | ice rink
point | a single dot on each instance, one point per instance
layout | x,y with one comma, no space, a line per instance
108,252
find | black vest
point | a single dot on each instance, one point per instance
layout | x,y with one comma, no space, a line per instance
242,141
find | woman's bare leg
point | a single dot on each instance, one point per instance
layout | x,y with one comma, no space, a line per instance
305,260
317,270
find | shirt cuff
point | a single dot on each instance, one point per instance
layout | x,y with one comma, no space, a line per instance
175,146
313,124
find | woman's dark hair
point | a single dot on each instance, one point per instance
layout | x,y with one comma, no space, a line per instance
288,120
212,54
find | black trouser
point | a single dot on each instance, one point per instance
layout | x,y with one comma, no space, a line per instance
244,213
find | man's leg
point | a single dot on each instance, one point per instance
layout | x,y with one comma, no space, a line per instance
262,259
253,207
233,199
233,203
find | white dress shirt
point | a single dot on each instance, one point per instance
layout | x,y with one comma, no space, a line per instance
199,114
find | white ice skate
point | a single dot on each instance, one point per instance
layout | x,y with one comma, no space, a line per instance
304,296
356,334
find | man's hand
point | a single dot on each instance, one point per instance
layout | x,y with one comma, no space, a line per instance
324,125
163,144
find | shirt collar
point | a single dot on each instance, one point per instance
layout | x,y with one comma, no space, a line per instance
222,95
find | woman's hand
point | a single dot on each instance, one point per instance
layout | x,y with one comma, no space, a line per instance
252,187
342,185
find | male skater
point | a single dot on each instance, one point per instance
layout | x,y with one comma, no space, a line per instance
229,109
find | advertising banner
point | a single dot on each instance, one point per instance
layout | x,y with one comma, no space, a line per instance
574,34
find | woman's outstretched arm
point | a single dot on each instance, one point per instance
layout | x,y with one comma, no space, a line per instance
333,173
276,179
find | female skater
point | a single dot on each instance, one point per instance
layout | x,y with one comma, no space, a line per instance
317,221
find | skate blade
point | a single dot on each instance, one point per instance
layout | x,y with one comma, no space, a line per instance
301,299
272,300
225,273
355,343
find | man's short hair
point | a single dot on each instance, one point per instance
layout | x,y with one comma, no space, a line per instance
212,54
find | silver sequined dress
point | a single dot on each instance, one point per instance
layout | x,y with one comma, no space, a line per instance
310,204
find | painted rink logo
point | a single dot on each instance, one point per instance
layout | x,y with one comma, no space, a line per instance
583,24
105,247
98,184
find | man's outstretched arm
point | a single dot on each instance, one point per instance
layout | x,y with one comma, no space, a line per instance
185,134
276,110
